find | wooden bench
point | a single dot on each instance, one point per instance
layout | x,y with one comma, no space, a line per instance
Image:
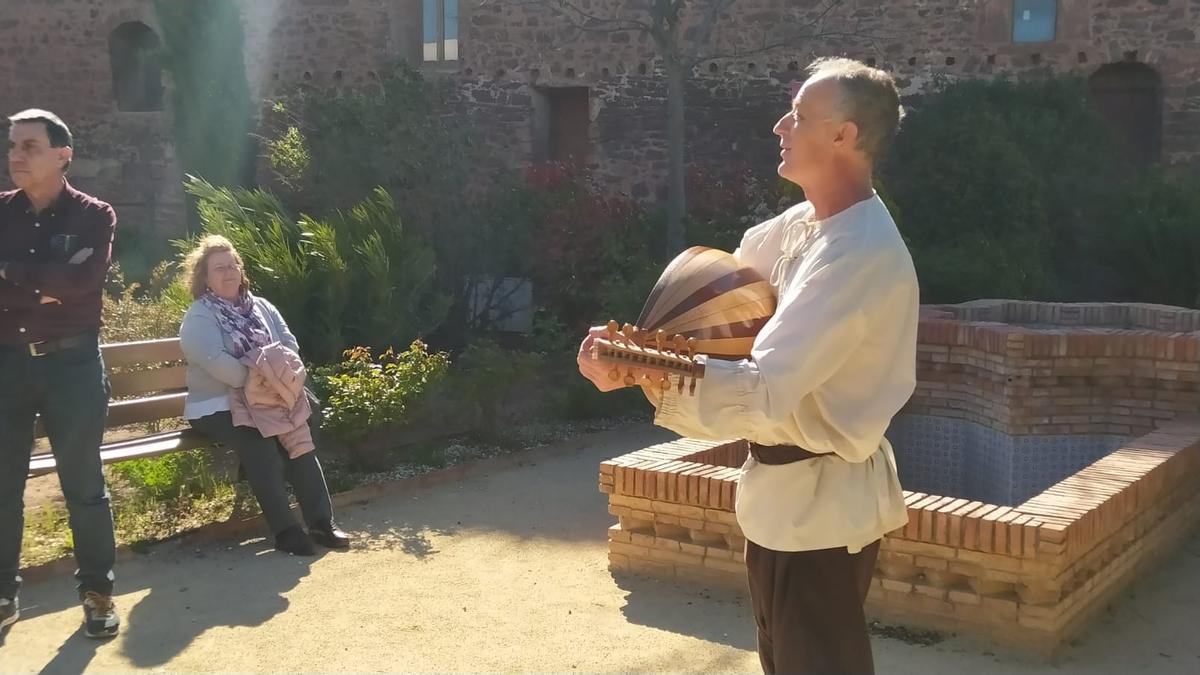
139,394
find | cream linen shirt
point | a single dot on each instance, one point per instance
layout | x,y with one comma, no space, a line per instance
827,373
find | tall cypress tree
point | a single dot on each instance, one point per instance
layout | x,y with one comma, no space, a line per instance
210,98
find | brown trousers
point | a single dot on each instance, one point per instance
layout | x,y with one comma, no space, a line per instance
809,609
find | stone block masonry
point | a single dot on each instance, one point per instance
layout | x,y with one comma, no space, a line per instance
512,51
56,55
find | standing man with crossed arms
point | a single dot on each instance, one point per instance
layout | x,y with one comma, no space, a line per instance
825,377
55,246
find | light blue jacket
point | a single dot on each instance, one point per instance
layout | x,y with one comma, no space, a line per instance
211,366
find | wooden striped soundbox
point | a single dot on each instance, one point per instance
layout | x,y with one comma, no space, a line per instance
703,304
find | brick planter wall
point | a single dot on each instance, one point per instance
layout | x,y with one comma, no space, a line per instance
1055,368
1028,575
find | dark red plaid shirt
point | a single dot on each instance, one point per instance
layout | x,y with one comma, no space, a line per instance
37,248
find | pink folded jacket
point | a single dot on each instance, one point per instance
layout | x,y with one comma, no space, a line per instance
273,400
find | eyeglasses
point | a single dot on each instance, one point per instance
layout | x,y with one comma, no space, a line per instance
799,119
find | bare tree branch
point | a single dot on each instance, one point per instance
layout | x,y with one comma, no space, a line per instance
686,32
704,29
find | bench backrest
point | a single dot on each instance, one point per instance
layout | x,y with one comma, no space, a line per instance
148,381
141,394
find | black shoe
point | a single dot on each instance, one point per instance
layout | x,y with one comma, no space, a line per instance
100,618
10,611
295,541
328,534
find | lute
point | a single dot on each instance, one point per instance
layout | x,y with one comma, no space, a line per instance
704,303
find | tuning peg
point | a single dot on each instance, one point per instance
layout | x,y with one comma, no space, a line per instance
692,387
613,329
680,344
614,374
659,338
627,332
630,380
691,348
665,382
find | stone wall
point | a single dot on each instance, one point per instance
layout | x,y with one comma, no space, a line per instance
55,55
518,48
325,43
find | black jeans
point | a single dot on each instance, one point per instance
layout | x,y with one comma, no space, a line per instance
70,390
266,465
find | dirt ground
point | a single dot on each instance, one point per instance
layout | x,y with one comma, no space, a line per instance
504,571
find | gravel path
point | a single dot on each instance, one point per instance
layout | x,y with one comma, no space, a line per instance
504,571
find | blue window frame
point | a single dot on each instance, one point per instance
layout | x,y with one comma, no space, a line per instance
1034,20
439,30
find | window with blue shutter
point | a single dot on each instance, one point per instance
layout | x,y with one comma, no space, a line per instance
1034,20
439,30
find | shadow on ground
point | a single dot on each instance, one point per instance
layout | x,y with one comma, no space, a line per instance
688,610
430,587
543,499
150,629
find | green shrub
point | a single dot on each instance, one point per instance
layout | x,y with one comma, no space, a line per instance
130,313
486,376
585,239
723,204
355,278
622,294
552,339
331,148
169,477
568,395
578,399
288,155
1149,241
361,394
995,185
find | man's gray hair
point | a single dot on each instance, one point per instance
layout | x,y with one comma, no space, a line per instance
869,98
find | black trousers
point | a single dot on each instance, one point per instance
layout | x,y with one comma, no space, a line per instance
267,465
809,609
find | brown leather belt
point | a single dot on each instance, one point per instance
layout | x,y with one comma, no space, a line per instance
47,347
780,454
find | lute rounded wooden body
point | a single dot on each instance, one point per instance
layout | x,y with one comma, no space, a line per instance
704,303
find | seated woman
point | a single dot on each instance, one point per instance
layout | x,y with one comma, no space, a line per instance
243,365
